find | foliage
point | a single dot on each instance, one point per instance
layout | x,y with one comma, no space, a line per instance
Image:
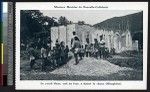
130,53
81,22
132,59
33,22
30,23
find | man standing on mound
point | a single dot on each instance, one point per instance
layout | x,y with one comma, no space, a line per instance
76,45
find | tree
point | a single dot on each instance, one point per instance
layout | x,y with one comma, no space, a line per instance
33,22
63,21
30,23
81,22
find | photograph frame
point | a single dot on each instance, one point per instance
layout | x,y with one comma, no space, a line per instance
83,87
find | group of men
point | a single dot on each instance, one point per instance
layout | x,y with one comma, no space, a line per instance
58,55
96,49
50,57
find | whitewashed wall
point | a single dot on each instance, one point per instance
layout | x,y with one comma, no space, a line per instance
70,30
120,42
128,40
54,35
62,34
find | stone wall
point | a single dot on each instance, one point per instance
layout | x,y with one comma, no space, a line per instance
120,41
54,35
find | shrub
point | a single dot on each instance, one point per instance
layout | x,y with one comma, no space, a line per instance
134,62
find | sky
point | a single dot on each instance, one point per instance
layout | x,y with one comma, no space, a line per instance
89,16
5,6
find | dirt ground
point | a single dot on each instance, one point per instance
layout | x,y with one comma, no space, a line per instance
87,69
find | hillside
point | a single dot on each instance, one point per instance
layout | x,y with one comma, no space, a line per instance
134,22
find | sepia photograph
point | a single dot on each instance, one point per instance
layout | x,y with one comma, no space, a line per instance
81,45
76,45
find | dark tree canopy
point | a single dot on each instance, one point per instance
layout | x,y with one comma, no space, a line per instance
33,22
35,25
63,21
81,22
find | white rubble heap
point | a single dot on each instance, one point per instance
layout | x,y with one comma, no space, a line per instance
89,67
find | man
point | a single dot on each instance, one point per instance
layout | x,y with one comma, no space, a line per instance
66,53
102,47
92,53
53,56
57,52
96,48
32,56
44,56
87,48
48,44
72,40
76,49
82,51
62,53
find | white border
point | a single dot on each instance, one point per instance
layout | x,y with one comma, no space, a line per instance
5,7
30,85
